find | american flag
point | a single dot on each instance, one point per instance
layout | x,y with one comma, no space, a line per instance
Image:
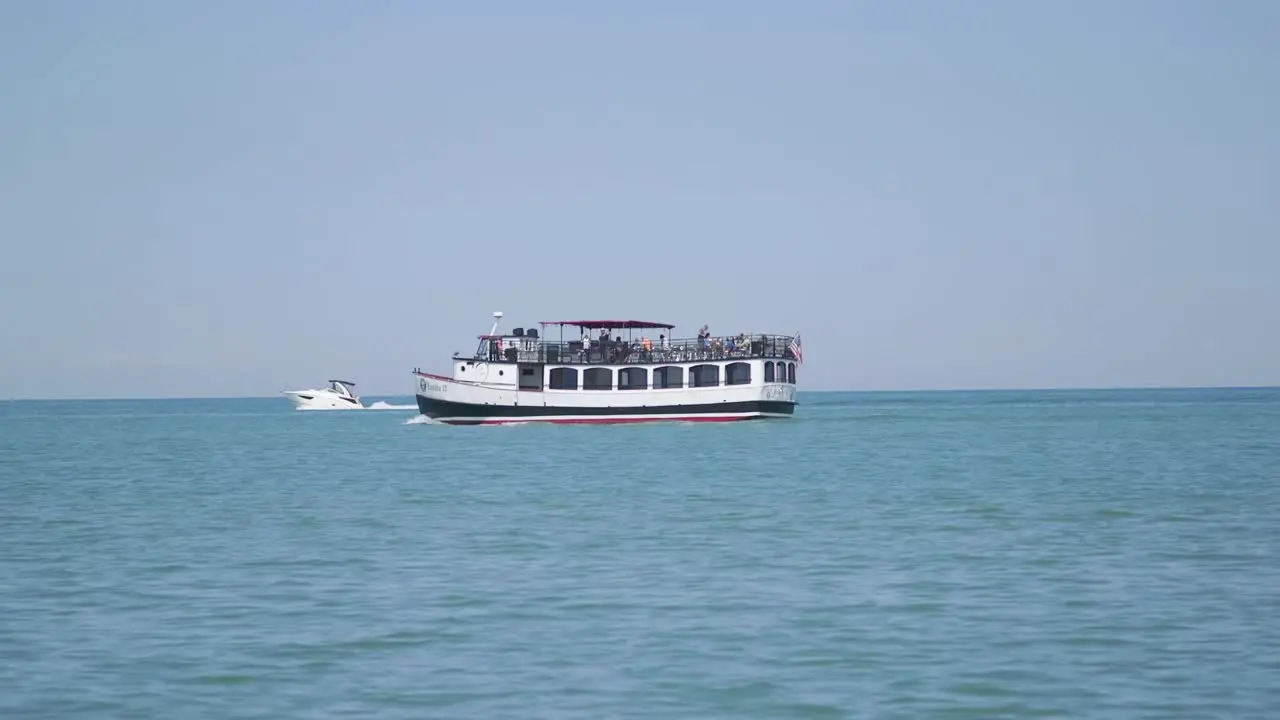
796,349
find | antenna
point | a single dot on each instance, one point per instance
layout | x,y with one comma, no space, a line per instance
497,318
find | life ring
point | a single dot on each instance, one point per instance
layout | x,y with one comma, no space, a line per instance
422,384
481,371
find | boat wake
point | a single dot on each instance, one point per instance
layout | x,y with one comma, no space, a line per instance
422,420
380,405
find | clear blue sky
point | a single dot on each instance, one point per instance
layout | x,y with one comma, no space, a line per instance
235,198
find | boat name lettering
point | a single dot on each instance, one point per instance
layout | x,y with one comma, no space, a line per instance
777,392
432,387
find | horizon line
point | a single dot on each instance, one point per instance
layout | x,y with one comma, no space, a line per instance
1111,388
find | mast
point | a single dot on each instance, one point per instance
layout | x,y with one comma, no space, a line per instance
487,341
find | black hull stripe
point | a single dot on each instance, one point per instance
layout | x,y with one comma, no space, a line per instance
434,408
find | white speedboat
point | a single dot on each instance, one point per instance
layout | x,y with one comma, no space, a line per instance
340,395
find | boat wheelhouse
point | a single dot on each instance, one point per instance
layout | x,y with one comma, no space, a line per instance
613,371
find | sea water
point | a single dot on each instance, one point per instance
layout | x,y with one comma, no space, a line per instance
980,555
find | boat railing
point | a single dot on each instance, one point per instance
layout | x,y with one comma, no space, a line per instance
646,350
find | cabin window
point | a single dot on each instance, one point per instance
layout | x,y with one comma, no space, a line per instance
737,373
597,379
704,376
633,378
564,378
782,372
791,373
768,371
668,377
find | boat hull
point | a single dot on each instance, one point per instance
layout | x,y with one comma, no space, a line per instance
456,413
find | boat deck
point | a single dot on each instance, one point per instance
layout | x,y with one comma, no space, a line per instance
522,348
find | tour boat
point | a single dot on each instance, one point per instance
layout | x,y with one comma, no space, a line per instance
597,376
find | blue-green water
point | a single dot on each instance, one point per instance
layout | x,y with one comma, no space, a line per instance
979,555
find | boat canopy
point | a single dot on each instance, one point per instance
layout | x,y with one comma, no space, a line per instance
610,324
344,382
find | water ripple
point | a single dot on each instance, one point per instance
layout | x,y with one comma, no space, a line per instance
967,555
